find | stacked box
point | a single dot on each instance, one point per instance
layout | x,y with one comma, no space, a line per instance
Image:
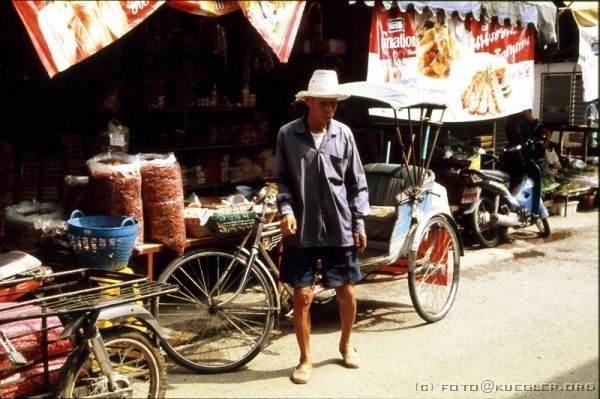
51,176
28,175
74,156
7,181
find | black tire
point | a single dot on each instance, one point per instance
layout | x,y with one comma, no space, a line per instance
543,226
202,337
132,355
485,233
434,270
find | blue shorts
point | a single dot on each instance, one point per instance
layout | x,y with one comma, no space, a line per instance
339,266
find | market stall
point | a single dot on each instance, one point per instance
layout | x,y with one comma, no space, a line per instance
401,50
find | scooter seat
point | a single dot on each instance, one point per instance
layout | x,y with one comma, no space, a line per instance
494,175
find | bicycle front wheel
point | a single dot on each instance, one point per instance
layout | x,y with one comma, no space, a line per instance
434,270
203,336
138,364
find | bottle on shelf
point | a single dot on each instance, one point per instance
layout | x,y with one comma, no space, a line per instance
213,96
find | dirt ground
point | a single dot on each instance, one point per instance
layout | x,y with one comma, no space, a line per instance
524,324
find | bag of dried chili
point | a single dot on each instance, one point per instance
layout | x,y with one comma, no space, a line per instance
115,188
162,196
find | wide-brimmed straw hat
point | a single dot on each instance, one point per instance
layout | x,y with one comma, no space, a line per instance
323,84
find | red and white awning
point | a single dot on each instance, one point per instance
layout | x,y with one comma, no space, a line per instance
541,14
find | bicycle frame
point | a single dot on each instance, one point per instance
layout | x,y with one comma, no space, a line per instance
266,236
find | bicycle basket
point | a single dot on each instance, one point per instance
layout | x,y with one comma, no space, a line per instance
231,225
104,242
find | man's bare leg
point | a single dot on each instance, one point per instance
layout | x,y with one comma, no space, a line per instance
303,297
347,307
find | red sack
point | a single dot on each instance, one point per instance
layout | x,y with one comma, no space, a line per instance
26,337
162,196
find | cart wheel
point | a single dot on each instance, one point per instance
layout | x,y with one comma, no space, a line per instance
433,270
204,337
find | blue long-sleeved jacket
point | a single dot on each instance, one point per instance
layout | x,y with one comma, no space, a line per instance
325,189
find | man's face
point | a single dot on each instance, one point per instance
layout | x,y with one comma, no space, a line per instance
322,108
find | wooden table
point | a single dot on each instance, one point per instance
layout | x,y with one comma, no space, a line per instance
566,195
569,146
150,249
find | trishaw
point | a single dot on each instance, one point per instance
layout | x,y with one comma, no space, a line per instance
229,297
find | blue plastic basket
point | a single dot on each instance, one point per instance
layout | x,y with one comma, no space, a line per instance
104,242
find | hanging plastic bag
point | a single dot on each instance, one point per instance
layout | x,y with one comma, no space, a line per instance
162,195
115,188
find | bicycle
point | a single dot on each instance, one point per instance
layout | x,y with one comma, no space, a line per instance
54,348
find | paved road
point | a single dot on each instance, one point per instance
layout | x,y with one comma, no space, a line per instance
524,324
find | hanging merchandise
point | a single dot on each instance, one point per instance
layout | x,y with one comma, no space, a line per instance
162,196
481,69
586,17
114,138
115,188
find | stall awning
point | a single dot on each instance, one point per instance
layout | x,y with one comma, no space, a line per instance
67,32
542,14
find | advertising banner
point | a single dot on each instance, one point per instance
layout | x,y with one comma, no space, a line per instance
66,32
277,22
480,70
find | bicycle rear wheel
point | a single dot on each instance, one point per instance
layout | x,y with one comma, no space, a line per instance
202,336
433,271
139,366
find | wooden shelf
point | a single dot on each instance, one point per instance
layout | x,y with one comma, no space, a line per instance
228,183
198,109
149,249
213,146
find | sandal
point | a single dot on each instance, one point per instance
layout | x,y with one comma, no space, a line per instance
351,358
301,373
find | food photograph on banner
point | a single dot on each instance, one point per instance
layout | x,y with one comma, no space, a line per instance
481,69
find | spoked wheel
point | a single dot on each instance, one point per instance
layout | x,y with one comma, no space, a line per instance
138,365
203,336
485,232
543,226
433,270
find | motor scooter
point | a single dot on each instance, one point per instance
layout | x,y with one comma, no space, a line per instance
493,200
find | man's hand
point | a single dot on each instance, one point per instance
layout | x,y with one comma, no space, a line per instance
288,225
360,241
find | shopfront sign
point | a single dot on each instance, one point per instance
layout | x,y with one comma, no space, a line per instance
67,32
479,69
